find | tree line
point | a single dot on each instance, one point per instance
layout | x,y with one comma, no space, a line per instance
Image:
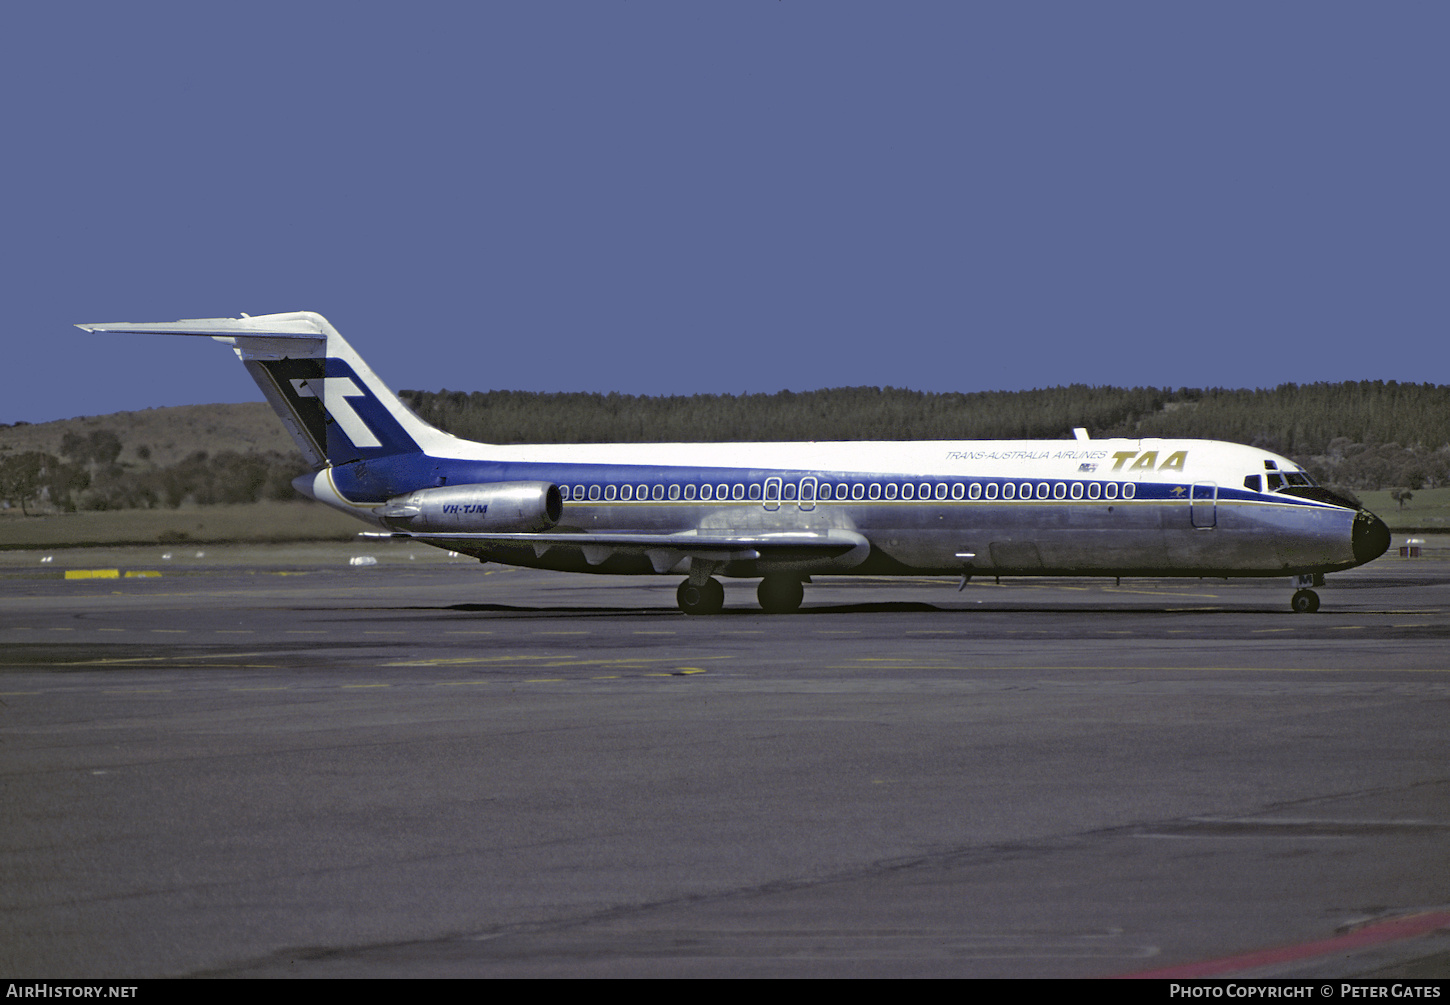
1289,419
1356,434
87,476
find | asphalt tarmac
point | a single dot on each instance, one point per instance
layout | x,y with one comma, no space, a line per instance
268,762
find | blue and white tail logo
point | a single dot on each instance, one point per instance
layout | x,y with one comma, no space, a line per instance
343,420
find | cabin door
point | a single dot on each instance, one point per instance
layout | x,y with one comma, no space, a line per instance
807,494
771,497
1203,507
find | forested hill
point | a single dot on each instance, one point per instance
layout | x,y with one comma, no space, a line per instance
1289,419
1366,434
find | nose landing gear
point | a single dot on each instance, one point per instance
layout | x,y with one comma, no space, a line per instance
1305,600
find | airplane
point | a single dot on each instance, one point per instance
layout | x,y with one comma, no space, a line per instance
784,512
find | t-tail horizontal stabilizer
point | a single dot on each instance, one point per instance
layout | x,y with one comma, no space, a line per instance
332,403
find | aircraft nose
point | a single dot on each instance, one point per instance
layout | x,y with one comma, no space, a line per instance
1370,537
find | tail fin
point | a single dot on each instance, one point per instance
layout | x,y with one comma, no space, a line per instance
331,402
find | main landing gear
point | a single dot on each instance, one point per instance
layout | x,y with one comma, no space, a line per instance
777,595
707,598
780,594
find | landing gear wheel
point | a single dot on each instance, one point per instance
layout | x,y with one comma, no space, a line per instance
705,599
780,594
1305,602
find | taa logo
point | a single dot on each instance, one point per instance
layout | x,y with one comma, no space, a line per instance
1148,460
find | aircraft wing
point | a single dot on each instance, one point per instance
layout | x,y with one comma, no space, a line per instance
666,550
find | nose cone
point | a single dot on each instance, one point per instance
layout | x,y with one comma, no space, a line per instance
1371,538
303,484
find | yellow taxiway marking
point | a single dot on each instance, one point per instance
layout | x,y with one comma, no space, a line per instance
110,629
1258,631
542,661
1344,628
164,659
1158,593
452,660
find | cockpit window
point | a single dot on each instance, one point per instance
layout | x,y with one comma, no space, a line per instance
1277,481
1254,483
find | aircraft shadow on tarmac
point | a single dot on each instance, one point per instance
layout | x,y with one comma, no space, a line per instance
886,607
882,607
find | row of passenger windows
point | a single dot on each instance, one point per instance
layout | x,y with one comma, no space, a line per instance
810,491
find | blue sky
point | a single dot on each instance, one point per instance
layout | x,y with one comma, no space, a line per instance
667,198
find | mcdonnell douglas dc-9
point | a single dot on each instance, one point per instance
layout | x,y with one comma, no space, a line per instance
783,512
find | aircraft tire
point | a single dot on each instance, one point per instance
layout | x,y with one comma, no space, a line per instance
780,594
1305,602
706,599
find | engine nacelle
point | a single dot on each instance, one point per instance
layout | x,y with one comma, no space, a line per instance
495,507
